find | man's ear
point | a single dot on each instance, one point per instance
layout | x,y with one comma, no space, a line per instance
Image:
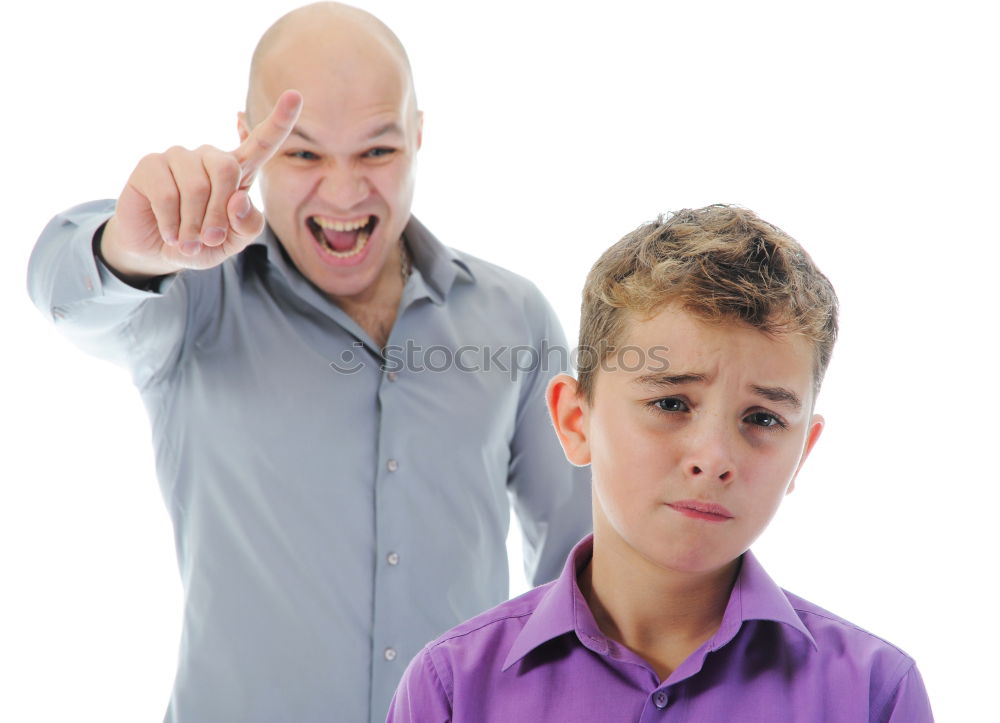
242,126
420,129
816,425
570,416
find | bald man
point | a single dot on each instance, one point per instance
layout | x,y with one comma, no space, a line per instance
339,493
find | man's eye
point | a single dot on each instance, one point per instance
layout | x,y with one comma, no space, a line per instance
304,155
671,404
764,419
379,152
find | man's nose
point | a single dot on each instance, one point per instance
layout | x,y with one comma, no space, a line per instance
343,186
709,452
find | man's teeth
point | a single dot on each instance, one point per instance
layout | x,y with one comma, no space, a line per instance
357,225
342,225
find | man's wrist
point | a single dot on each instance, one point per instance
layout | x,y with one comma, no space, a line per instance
143,282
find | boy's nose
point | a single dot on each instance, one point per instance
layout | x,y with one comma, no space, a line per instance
709,455
708,471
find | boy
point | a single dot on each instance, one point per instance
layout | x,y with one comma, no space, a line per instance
664,614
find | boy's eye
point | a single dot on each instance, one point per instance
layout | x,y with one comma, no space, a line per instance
304,155
379,152
764,419
671,404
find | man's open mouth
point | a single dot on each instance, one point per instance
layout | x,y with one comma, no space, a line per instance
342,239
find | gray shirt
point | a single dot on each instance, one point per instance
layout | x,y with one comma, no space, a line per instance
335,505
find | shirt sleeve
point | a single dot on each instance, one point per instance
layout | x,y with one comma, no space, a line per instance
421,695
551,496
909,702
95,309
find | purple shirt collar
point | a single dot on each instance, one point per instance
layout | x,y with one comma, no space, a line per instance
563,609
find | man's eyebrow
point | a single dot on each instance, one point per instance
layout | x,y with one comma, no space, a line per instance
296,131
779,395
390,127
667,381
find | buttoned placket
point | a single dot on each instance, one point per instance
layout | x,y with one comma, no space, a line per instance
658,706
658,700
391,476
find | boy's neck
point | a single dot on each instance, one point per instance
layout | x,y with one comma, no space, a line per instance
661,615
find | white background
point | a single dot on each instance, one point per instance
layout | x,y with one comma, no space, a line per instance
866,130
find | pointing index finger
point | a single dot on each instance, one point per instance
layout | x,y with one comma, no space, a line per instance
264,140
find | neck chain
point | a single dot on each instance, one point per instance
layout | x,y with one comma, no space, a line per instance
405,261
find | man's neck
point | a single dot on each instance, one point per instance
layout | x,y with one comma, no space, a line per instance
375,308
661,615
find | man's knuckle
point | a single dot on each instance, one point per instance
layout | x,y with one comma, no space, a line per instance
198,190
216,215
229,173
150,159
165,197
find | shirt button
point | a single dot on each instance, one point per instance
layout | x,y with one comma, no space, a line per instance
391,376
392,465
390,654
660,699
392,558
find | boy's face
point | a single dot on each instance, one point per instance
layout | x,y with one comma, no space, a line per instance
690,464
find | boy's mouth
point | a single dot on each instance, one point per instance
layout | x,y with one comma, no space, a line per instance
342,239
702,510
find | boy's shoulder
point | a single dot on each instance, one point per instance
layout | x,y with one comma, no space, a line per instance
837,637
756,597
862,661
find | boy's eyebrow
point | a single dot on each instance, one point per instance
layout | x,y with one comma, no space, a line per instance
779,395
668,380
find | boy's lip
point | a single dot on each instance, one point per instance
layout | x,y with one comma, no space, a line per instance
702,510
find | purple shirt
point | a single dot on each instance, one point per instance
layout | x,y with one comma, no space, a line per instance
541,657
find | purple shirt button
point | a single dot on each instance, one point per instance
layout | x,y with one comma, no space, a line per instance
660,699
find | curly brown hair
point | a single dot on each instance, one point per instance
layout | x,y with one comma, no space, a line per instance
720,263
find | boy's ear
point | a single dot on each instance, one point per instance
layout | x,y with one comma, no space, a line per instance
570,417
816,425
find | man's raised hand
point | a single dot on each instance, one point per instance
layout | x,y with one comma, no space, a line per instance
190,208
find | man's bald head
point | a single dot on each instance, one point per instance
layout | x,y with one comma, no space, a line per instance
350,159
329,33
